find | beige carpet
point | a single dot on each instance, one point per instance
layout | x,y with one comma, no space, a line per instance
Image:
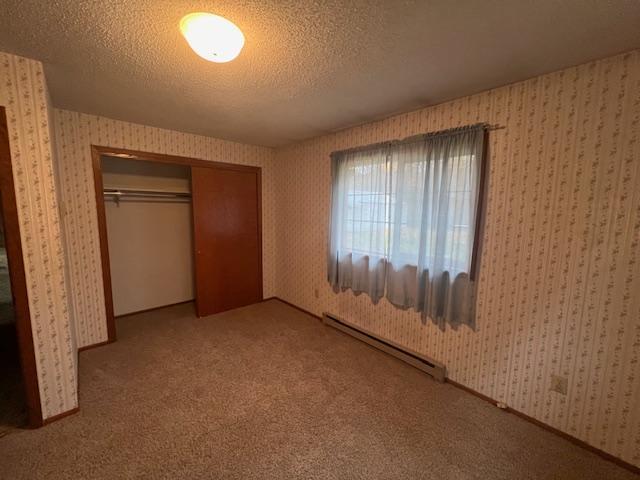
268,392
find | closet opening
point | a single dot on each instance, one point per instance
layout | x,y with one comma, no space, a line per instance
149,233
174,230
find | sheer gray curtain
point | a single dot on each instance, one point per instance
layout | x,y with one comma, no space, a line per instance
403,218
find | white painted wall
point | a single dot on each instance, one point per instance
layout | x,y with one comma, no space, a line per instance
150,242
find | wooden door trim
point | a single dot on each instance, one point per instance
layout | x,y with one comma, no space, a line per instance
18,278
97,152
127,154
104,244
259,209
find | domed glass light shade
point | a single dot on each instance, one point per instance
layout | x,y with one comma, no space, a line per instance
212,37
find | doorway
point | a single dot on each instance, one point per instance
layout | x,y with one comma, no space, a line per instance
13,412
19,394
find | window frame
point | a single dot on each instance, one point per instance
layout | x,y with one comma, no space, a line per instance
476,234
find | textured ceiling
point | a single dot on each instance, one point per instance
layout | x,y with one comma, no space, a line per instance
308,67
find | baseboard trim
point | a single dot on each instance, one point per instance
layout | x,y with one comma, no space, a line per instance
549,428
60,416
94,345
576,441
154,308
107,342
298,308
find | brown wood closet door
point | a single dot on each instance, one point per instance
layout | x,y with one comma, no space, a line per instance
227,238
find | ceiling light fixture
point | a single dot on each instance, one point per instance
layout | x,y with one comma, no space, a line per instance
212,37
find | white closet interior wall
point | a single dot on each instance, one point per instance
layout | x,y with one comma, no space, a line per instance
150,241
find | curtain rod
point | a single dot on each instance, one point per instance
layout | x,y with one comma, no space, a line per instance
420,137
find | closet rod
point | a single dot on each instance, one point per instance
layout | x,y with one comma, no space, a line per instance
126,192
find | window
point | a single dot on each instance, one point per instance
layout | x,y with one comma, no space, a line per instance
406,209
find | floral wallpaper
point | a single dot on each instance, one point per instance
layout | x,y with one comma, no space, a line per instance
23,93
559,277
559,268
75,133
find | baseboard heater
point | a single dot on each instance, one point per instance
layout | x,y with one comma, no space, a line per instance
435,369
